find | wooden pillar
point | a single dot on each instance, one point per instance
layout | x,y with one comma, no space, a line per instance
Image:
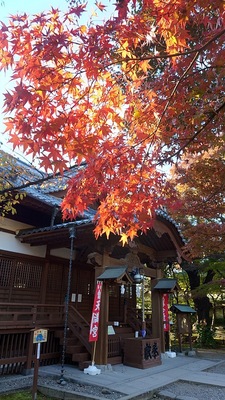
157,313
28,364
179,333
101,357
124,310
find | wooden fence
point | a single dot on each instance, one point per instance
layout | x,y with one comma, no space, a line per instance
17,322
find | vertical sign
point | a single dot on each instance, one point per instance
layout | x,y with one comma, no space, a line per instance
39,336
93,335
166,324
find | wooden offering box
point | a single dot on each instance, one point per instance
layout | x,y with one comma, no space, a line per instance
142,353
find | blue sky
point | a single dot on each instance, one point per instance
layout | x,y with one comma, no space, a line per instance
30,7
34,7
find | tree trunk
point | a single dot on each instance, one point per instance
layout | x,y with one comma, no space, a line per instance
202,303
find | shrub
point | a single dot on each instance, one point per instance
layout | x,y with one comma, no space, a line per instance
206,337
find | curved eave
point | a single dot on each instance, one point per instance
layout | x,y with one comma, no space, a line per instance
167,245
57,235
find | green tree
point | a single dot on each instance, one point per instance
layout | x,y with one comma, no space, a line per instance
8,173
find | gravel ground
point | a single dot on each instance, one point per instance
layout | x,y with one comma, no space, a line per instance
192,390
197,390
11,384
178,390
217,369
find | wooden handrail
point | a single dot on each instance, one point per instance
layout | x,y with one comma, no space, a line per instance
76,312
80,327
31,305
25,315
134,319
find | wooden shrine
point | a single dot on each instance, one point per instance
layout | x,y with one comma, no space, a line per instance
43,265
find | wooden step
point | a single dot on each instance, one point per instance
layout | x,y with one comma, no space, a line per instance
81,357
121,330
115,360
77,348
59,333
84,364
69,341
72,341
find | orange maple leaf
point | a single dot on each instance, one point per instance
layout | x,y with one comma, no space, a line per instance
100,6
123,238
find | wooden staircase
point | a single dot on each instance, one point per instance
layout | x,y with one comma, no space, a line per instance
78,348
116,343
134,320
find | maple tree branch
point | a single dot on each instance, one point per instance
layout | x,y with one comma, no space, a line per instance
207,122
197,51
176,87
215,193
172,94
192,180
24,185
38,181
178,54
168,102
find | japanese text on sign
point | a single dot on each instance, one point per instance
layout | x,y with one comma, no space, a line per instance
166,325
93,335
40,336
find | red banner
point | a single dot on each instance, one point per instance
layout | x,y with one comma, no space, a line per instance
166,323
93,335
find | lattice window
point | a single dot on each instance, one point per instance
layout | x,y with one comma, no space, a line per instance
27,275
5,272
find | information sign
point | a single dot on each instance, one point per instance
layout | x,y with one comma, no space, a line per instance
40,335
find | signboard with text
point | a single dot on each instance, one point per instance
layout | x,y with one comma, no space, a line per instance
93,335
40,335
166,324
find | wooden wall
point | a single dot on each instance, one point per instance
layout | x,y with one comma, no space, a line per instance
20,280
25,280
83,285
118,302
28,280
56,283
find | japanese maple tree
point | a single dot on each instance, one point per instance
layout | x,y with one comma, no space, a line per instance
128,96
199,180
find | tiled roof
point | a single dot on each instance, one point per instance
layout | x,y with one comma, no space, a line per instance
43,191
182,308
166,216
115,273
43,197
17,172
59,183
166,284
25,232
